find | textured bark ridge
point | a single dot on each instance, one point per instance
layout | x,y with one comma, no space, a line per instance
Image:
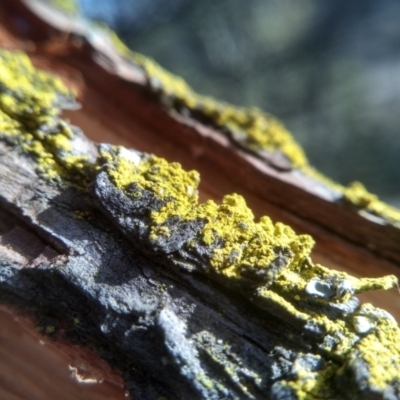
109,248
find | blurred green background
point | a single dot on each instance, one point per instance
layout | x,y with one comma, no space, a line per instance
330,70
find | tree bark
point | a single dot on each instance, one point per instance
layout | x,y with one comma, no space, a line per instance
80,259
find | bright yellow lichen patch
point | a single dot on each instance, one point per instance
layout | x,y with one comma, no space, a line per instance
267,262
167,181
380,351
30,102
270,263
27,95
252,127
248,246
241,244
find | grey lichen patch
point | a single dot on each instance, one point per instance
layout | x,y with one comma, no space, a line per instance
184,355
363,324
243,378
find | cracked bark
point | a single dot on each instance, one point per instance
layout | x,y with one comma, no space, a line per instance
85,284
171,332
91,287
114,292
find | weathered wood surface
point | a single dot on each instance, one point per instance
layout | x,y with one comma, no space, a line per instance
141,123
81,261
114,89
36,367
114,92
91,263
117,108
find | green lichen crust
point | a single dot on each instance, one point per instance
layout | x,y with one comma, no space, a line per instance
30,104
155,204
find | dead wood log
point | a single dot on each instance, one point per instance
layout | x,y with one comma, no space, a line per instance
149,283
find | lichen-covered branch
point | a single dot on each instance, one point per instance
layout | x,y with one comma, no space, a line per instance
209,129
254,130
188,300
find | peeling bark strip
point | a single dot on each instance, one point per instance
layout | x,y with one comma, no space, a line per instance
187,300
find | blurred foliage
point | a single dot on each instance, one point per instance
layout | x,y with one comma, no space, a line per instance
329,70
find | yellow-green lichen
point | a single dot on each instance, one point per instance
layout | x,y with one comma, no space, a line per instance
70,7
276,261
272,257
50,329
375,355
28,94
30,104
247,245
312,385
357,195
380,351
258,131
167,181
244,244
253,128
